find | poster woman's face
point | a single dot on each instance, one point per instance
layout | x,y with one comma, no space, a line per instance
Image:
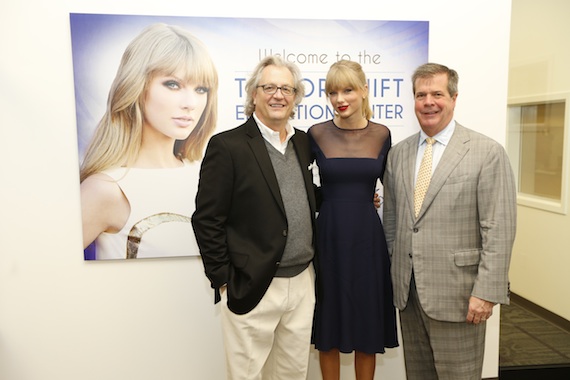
173,106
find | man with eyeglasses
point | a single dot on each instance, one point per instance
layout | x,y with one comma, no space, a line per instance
254,224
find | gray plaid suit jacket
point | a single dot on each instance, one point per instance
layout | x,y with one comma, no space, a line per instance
460,244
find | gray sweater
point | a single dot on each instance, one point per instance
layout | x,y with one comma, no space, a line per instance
299,246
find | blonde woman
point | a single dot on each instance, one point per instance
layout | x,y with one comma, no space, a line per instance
140,171
354,311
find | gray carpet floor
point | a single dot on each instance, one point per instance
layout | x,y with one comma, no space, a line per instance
526,339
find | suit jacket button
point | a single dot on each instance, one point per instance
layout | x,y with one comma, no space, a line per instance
410,254
285,233
416,230
278,263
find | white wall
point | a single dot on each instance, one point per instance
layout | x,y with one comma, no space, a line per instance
66,319
539,60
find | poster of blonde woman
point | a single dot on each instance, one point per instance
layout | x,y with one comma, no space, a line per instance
151,90
139,169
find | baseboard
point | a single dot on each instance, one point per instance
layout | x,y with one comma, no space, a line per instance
550,372
542,312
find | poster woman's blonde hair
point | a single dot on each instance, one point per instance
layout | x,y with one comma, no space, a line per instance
158,49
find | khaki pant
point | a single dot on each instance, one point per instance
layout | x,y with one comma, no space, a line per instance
272,341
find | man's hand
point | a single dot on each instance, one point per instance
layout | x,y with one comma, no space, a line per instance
479,310
377,203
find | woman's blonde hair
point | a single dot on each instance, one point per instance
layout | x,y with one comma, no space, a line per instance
159,49
344,74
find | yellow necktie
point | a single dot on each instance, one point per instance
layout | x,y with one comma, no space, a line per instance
424,176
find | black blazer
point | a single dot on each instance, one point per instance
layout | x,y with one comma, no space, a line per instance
240,222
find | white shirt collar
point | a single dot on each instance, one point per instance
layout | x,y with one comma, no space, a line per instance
272,136
442,137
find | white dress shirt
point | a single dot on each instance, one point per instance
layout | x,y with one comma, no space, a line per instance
274,137
441,141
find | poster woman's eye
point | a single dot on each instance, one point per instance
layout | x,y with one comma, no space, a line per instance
202,90
172,84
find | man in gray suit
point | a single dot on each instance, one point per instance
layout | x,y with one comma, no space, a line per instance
451,246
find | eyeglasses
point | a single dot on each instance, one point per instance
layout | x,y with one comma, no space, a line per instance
271,89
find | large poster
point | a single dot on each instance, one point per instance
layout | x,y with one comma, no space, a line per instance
153,207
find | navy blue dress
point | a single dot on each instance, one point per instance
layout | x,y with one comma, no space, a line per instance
354,309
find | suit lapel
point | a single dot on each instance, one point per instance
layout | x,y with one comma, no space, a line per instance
409,158
454,152
257,145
